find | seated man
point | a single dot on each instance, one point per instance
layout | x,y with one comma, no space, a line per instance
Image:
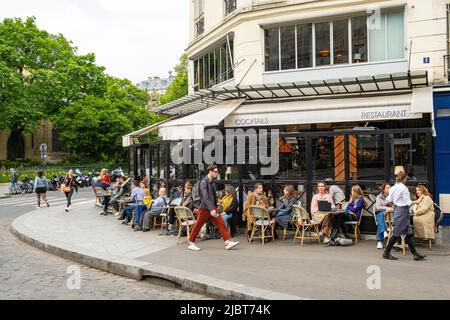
118,194
103,185
156,209
137,196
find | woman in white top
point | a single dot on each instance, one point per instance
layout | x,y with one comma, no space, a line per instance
399,195
325,219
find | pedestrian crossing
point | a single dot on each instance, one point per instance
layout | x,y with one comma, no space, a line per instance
20,201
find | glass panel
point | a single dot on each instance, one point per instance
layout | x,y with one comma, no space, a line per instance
304,46
196,76
206,70
409,151
287,47
323,158
359,39
223,59
231,67
163,161
271,52
370,157
201,75
377,38
292,158
155,172
217,65
395,32
323,44
212,76
340,41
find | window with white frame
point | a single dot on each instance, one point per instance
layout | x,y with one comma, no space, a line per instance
215,66
199,8
335,42
230,6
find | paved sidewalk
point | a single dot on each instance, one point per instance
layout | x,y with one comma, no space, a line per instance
4,190
279,270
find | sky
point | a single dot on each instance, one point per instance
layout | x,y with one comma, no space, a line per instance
133,39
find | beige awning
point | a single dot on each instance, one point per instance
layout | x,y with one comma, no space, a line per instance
132,138
356,109
193,126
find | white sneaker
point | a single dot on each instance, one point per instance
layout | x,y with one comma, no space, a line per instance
380,245
117,213
193,247
231,245
100,212
386,235
70,207
38,207
326,240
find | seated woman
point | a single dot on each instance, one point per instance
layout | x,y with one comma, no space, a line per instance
156,209
352,212
381,205
284,213
423,220
325,219
229,205
253,198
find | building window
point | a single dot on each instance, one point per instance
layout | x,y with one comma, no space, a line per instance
304,46
359,39
199,9
230,6
272,49
200,26
287,36
340,41
343,41
214,67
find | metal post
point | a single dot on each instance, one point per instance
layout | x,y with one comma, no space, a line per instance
387,157
309,172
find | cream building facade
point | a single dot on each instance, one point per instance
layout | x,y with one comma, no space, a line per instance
413,34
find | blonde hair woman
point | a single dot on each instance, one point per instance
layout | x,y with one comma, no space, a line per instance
423,210
70,184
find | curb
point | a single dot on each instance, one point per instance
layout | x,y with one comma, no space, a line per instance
140,270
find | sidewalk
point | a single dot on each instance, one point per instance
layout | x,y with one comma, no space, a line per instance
278,270
4,190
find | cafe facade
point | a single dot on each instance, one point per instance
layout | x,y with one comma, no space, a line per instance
313,74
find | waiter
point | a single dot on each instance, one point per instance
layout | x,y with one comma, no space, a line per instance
399,195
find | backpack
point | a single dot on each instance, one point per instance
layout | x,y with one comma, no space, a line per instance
196,195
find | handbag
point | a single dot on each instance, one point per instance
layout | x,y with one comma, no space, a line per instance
65,188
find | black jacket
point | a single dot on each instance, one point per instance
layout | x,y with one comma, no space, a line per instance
208,193
233,208
71,182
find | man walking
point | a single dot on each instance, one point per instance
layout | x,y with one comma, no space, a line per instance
208,211
399,195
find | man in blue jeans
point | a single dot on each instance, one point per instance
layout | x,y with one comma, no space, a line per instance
137,196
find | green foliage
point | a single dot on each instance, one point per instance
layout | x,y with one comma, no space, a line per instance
43,78
179,87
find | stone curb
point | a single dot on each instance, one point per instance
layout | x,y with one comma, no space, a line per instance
138,270
4,196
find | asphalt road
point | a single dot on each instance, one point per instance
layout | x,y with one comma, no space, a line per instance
28,273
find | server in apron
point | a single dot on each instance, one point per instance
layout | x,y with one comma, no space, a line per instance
399,195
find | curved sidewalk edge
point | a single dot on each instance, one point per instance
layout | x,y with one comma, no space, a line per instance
139,270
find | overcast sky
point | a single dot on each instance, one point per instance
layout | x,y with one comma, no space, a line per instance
132,38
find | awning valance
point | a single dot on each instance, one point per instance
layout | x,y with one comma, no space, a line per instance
357,109
132,138
193,126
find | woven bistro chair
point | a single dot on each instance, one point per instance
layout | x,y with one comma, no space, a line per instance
98,192
303,223
185,219
355,225
262,222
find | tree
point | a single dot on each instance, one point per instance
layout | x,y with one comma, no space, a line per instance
94,126
179,86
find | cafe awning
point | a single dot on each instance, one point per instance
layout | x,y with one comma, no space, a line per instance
193,126
132,138
381,83
357,109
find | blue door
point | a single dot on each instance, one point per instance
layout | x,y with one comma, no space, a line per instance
442,147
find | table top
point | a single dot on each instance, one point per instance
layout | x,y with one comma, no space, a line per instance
339,211
133,204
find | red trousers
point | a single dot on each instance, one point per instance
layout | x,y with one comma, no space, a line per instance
203,217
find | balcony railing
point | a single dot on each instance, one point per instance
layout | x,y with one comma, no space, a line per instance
230,6
200,26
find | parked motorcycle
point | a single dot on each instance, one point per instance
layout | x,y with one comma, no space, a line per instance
116,173
27,185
